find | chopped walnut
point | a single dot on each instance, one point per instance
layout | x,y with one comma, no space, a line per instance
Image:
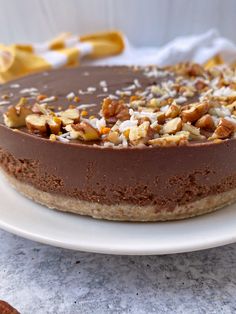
224,129
181,138
15,115
173,111
154,103
195,112
186,91
232,107
40,108
83,131
206,123
140,134
194,69
172,126
115,110
194,133
160,117
188,69
200,85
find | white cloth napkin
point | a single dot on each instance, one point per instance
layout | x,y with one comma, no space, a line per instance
197,48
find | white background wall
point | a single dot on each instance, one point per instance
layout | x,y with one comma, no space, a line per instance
146,22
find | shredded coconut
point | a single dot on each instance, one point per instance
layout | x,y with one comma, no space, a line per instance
70,96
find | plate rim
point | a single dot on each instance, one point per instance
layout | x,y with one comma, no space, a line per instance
117,251
9,225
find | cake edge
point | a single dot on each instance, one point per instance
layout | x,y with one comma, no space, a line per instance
122,212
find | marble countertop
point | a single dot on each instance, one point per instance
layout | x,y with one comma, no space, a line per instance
40,279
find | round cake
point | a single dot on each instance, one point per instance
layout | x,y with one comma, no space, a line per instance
122,143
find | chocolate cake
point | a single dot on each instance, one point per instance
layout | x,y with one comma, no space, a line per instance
122,143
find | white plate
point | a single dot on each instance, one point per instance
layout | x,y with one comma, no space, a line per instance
27,219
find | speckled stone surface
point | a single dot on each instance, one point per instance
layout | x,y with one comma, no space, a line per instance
40,279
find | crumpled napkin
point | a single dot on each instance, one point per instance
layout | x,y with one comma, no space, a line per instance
111,48
198,48
65,50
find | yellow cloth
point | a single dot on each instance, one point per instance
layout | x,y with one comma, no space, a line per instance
216,60
65,50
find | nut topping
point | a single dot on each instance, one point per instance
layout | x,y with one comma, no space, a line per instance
42,124
160,117
194,133
37,123
40,108
154,102
54,124
15,116
115,110
113,137
232,108
176,106
173,111
172,126
195,112
171,140
200,85
69,116
194,69
224,129
83,131
140,134
206,123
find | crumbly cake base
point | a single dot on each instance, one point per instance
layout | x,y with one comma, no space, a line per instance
123,212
